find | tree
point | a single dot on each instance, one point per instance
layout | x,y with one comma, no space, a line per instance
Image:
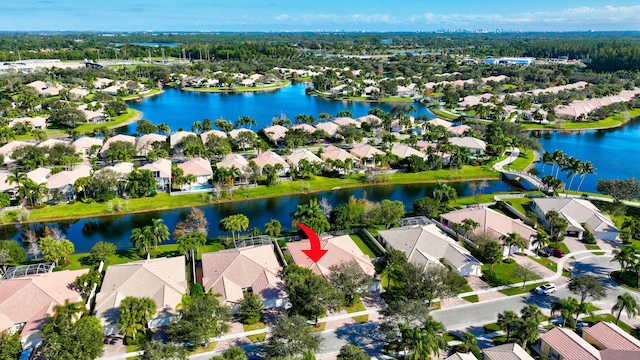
557,224
426,206
292,337
507,321
234,223
492,254
120,151
402,311
68,117
10,346
101,251
532,312
273,228
11,253
66,339
587,169
156,350
428,283
352,352
200,319
250,309
443,193
586,286
159,232
85,282
567,308
311,215
527,332
423,341
626,302
525,273
349,279
191,243
141,239
394,262
134,315
235,353
540,239
625,256
619,190
309,294
512,239
54,250
195,221
144,127
245,121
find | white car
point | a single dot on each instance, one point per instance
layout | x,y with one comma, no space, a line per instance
545,289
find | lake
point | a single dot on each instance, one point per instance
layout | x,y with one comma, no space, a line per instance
614,152
180,109
84,233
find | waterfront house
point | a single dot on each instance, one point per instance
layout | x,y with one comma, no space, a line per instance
340,249
122,168
403,151
234,135
145,143
440,122
164,279
329,127
491,223
161,172
275,133
459,130
333,153
38,122
346,121
427,245
26,301
298,154
366,153
205,135
580,215
176,137
64,181
119,137
39,175
475,146
233,273
306,127
270,158
199,167
233,160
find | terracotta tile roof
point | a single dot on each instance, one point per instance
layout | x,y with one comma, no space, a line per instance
145,141
205,135
233,160
176,137
612,337
491,222
162,166
365,151
68,177
197,166
340,249
31,299
164,281
270,158
330,127
227,272
335,153
569,345
300,154
119,137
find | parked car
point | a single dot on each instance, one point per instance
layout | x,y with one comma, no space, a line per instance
544,252
545,289
557,252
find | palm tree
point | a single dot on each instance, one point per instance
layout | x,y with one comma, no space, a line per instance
626,256
164,128
245,121
626,302
547,159
141,239
469,226
633,228
444,193
196,127
559,158
507,321
17,178
587,169
159,231
566,307
528,331
541,239
533,312
572,167
512,239
273,227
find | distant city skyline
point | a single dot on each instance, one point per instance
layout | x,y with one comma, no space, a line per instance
328,15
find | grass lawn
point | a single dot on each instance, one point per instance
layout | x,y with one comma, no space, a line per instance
362,245
611,121
502,274
626,279
472,298
592,247
203,349
521,204
130,115
318,328
436,111
519,290
356,307
491,328
257,338
240,88
608,318
361,319
523,161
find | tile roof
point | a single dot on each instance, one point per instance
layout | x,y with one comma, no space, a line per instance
491,222
300,154
345,121
569,345
329,127
164,281
162,166
234,133
306,127
39,175
146,141
86,142
335,153
32,298
403,151
365,151
579,211
228,272
340,249
197,166
176,137
468,142
68,177
205,135
461,356
270,158
511,351
233,160
612,337
275,133
119,137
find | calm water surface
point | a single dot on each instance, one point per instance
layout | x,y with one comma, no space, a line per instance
84,233
181,108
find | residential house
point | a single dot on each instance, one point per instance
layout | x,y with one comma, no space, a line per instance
404,151
366,153
298,154
370,119
340,249
51,142
7,149
398,126
332,153
371,90
145,143
563,344
427,245
491,223
100,83
199,167
25,302
306,127
275,133
235,272
329,127
346,121
78,93
38,122
459,130
164,280
461,356
338,90
580,215
122,168
161,171
510,351
233,160
609,338
270,158
83,145
176,137
440,122
205,135
234,135
475,146
39,175
64,181
405,91
45,89
119,137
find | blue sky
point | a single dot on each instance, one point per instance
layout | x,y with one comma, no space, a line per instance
326,15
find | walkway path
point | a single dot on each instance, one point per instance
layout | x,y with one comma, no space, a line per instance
533,180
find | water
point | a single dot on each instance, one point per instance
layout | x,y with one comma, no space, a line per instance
613,152
84,233
180,109
155,44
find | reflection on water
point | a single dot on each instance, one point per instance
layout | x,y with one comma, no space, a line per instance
117,229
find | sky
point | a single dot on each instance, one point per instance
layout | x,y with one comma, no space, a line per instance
319,15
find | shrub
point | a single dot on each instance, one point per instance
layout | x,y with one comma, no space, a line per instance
508,261
589,238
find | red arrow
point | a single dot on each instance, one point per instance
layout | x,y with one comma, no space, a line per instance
315,253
